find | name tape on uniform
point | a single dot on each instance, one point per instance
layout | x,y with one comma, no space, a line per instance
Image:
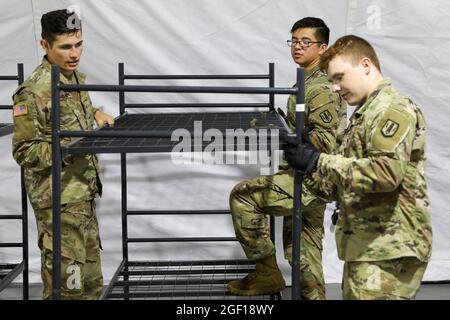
300,107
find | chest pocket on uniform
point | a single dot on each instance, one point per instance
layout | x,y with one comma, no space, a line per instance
70,115
87,108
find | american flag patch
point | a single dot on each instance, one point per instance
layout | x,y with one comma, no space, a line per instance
20,110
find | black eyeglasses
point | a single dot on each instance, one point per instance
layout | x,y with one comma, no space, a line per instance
304,43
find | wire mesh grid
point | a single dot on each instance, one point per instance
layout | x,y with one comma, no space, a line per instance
221,121
181,280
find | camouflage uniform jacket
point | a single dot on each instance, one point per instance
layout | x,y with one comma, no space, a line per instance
325,118
32,139
325,111
379,176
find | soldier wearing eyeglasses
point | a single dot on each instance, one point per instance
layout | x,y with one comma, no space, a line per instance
251,200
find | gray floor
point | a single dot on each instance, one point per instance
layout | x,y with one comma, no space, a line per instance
427,292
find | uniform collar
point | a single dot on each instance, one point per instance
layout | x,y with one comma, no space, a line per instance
381,86
79,75
309,74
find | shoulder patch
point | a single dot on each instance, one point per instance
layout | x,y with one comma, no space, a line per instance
20,110
326,116
391,130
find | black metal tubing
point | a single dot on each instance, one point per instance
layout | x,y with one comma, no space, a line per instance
56,185
11,244
112,283
121,93
123,172
25,281
298,180
124,207
23,266
188,271
272,85
141,283
14,273
196,77
224,270
10,217
121,88
197,105
123,185
6,129
436,282
164,147
140,149
10,77
7,266
174,212
117,133
25,259
123,177
236,262
170,294
183,239
183,89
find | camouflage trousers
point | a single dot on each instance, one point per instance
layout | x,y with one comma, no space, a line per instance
250,202
81,275
397,279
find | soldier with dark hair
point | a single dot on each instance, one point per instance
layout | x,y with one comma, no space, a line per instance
383,230
251,200
80,242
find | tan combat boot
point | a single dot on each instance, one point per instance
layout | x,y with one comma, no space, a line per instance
266,279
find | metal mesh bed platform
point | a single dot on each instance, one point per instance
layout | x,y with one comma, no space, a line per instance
168,280
191,122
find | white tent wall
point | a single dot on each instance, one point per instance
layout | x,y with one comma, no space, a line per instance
412,40
220,37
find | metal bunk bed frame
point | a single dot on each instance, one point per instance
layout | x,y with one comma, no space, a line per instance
10,271
58,151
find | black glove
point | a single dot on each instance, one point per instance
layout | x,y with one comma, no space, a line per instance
302,156
306,135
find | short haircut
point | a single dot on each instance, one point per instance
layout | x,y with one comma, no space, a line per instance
352,47
322,31
55,23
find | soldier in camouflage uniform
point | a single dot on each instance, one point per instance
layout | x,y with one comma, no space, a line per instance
251,200
80,241
383,231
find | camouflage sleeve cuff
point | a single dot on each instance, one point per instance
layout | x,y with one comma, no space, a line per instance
334,168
